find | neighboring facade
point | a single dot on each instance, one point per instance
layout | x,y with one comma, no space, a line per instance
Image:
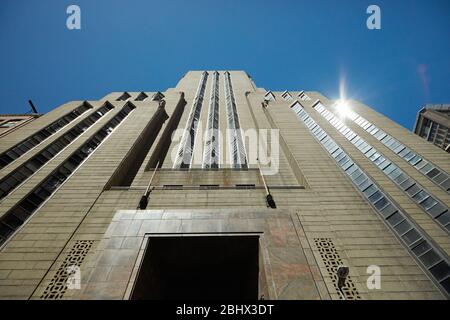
11,122
344,191
433,124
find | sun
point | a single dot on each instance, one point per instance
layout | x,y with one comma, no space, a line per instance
343,108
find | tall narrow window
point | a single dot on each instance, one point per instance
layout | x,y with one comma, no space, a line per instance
185,151
24,146
211,150
286,96
12,180
404,227
157,96
21,212
237,149
124,97
10,123
141,97
303,96
429,203
269,96
416,160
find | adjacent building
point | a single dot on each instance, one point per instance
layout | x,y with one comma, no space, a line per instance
10,122
219,189
433,123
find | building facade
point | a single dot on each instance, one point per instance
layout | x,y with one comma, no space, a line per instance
219,189
433,124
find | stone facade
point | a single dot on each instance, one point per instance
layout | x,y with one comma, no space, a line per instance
321,220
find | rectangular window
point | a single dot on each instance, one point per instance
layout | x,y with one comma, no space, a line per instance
24,146
42,191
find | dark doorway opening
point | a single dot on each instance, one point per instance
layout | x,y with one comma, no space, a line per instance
199,268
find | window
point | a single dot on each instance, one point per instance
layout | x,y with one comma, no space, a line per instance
10,123
19,175
141,97
184,154
22,147
124,97
17,215
422,248
157,96
303,96
269,96
286,96
237,150
429,130
407,184
211,147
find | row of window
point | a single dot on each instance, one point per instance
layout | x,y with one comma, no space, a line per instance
436,209
438,176
141,96
28,168
286,96
19,149
185,151
237,149
422,248
211,151
17,215
436,133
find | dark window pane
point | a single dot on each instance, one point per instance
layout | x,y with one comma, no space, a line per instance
387,211
421,248
402,227
430,258
395,218
444,218
441,270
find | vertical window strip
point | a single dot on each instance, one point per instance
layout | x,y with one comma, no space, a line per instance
237,149
124,97
286,96
141,97
417,161
303,96
26,145
184,154
429,255
21,212
269,96
211,148
430,204
16,177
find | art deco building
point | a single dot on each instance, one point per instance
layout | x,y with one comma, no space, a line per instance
219,189
433,124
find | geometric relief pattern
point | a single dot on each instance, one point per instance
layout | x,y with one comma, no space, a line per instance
58,285
332,261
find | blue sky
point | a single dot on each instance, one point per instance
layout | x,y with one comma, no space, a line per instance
148,45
